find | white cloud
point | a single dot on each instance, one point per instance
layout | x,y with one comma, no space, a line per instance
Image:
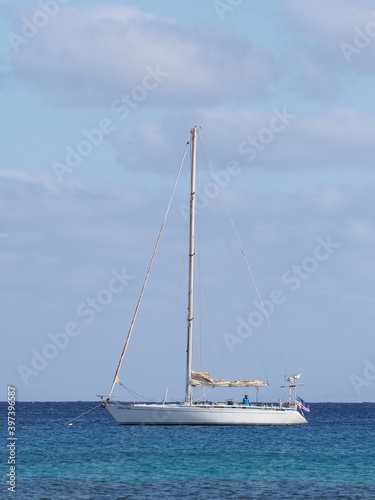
58,235
327,23
316,64
361,230
90,56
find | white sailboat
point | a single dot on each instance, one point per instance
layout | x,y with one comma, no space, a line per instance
190,412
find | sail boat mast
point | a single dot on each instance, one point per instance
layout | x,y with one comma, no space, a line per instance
190,316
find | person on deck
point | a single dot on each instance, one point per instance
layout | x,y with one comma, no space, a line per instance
245,400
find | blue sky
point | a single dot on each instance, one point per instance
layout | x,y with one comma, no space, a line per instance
97,100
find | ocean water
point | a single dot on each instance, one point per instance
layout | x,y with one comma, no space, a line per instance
95,458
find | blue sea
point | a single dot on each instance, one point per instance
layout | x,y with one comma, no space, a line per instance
95,458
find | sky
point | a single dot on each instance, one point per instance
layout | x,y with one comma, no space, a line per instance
97,100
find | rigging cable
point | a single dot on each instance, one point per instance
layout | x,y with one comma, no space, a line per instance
175,341
231,253
258,293
134,394
208,164
198,252
248,267
84,413
116,379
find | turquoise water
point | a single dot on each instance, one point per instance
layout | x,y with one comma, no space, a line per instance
331,457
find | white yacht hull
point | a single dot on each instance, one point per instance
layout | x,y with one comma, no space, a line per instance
215,414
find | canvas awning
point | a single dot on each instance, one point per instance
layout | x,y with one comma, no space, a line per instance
200,379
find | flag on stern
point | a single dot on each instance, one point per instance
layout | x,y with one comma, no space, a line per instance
300,402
